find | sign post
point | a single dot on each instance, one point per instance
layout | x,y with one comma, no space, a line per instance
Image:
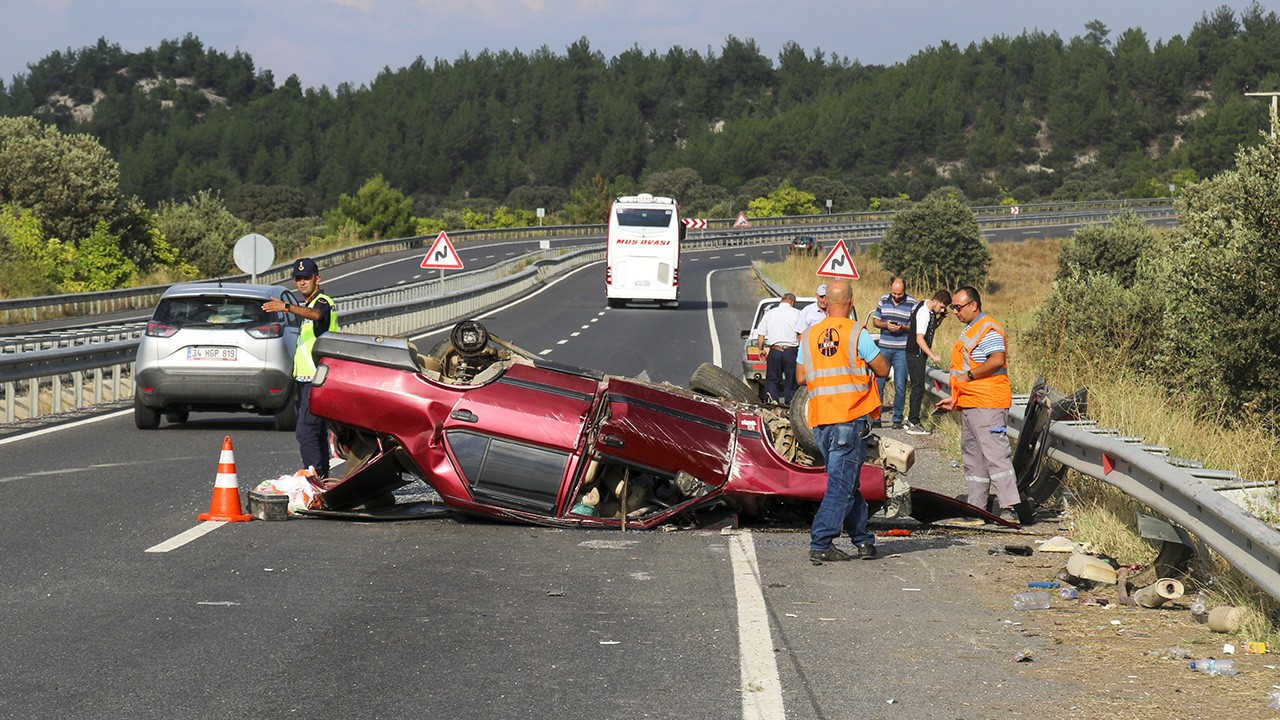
253,254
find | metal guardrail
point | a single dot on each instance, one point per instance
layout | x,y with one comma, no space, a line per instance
1179,494
21,310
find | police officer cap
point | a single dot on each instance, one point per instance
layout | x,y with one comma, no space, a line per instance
306,267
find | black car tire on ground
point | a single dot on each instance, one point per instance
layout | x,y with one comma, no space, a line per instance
713,380
616,303
286,418
145,418
800,422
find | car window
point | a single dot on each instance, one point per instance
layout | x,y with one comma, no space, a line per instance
211,311
510,474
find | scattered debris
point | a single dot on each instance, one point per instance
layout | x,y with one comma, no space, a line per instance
1058,544
555,593
1044,584
1254,647
1024,656
1225,618
1158,593
1022,550
1228,649
1175,653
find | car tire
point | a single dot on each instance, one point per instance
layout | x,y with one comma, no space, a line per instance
145,418
713,380
616,303
286,418
799,415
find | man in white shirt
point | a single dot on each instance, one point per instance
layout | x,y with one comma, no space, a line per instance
777,334
813,314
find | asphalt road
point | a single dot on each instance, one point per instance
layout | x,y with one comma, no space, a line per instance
440,618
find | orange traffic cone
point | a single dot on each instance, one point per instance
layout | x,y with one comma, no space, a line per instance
225,505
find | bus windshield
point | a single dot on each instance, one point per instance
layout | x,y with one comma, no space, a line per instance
642,217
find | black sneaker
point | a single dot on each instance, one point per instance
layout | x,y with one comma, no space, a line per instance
866,551
1008,515
831,554
877,424
897,424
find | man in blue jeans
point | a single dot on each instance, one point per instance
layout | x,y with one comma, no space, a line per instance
838,361
893,317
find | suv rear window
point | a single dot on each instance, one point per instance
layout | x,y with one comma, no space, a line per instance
212,311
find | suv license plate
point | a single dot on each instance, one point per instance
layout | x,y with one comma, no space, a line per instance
641,283
211,353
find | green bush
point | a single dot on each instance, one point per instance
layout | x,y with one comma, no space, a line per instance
936,243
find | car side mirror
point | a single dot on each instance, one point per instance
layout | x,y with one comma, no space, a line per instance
745,333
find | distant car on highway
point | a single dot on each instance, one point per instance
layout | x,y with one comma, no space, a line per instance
805,245
210,347
753,361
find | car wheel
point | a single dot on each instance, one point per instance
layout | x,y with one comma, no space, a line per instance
286,418
713,380
798,412
145,418
616,303
177,416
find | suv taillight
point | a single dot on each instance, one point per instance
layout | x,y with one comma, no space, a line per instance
159,329
265,332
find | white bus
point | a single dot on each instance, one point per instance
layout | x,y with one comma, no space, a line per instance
642,259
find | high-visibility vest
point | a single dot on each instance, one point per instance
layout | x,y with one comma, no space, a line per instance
839,381
304,366
990,391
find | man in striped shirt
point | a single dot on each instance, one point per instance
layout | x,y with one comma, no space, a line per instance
893,317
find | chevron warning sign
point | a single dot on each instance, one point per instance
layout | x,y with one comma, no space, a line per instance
695,223
839,263
442,256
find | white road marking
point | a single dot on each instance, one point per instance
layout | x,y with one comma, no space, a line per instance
489,257
417,277
68,426
761,687
711,323
574,334
401,282
546,352
561,342
587,327
739,254
187,536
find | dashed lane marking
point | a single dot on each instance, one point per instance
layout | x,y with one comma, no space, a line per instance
183,538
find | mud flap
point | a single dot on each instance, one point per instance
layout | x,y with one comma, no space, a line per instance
929,507
379,476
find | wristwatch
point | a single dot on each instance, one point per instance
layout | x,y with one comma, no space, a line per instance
286,309
970,374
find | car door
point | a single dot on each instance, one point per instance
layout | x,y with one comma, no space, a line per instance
512,440
665,431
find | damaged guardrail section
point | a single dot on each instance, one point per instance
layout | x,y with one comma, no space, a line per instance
1240,538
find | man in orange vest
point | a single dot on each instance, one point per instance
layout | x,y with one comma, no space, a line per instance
839,360
980,391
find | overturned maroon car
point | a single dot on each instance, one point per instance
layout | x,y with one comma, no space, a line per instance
503,433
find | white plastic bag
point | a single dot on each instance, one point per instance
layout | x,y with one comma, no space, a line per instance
302,487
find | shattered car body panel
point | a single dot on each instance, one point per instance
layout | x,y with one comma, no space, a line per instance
502,433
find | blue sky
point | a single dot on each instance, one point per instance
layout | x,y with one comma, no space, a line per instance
327,42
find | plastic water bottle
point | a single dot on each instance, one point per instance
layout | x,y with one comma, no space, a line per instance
1209,666
1069,593
1273,700
1031,601
1199,611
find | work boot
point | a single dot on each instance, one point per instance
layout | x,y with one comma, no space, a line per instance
1009,515
831,554
866,551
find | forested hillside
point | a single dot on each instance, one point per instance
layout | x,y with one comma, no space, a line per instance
1101,114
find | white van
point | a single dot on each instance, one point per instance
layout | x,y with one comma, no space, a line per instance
643,253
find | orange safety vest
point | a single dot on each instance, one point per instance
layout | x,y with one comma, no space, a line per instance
991,391
839,382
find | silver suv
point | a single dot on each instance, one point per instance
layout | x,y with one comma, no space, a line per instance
210,347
